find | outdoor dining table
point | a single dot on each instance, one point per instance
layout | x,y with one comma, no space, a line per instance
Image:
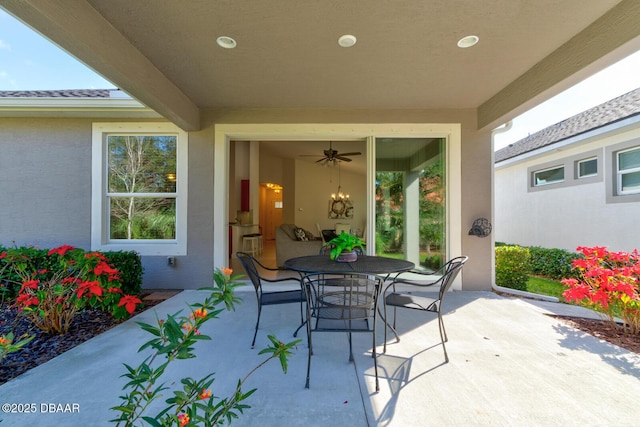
364,264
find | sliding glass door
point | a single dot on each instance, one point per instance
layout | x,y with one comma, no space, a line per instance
410,200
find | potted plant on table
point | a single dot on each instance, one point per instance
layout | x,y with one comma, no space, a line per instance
343,247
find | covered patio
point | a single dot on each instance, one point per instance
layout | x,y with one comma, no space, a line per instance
510,364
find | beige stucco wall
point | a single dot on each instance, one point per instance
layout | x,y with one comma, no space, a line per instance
567,216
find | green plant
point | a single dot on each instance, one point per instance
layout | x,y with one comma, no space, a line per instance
609,282
512,267
50,298
344,242
552,262
544,286
173,339
129,264
8,346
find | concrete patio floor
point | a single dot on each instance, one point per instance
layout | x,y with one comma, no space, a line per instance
510,365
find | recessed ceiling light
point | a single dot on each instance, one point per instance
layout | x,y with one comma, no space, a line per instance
468,41
347,40
226,42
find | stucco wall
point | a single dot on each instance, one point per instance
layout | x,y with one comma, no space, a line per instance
567,216
45,180
46,197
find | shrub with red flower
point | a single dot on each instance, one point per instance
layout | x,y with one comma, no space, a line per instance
50,298
609,283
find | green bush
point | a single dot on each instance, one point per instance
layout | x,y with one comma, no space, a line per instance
433,261
512,267
552,263
129,265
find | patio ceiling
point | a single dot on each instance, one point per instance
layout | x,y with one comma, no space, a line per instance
164,53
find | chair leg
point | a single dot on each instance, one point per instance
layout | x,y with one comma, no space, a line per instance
295,334
387,325
350,349
310,347
443,335
253,343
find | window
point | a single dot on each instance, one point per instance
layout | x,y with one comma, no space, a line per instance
548,176
139,188
628,171
587,168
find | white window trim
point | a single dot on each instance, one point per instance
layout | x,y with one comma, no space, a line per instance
620,173
535,183
99,218
579,162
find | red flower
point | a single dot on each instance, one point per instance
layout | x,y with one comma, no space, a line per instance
104,268
60,250
98,255
129,303
30,284
3,255
26,300
91,287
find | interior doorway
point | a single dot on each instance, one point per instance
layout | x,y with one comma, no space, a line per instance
270,216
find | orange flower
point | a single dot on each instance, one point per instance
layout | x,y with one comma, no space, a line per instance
205,393
183,419
200,312
4,341
226,271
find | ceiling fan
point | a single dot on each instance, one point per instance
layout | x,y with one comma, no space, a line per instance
332,156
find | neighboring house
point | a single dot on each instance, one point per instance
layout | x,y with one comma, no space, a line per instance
406,81
576,183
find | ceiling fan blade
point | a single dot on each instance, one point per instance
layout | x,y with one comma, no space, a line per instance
322,159
311,155
344,159
351,154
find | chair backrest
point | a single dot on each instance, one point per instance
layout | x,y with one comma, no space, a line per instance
251,269
452,269
320,233
352,297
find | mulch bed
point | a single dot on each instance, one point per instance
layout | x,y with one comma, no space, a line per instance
605,331
45,347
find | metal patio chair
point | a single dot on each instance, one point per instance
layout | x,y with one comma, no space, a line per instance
251,265
347,305
432,305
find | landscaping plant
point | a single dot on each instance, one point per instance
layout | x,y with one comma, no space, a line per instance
512,267
74,280
173,339
608,282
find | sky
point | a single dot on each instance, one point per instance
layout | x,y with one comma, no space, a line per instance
30,62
